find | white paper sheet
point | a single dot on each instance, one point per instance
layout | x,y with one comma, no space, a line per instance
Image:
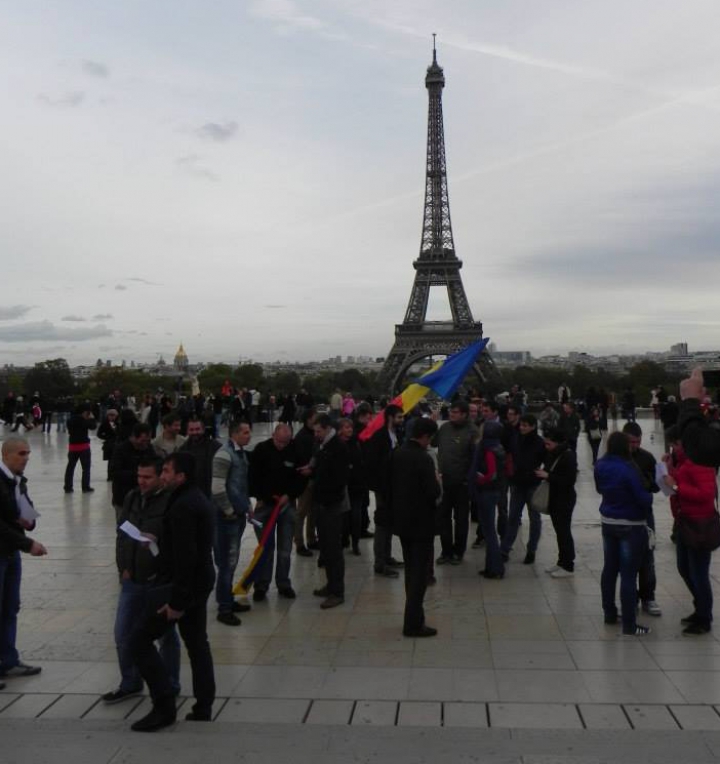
135,533
661,471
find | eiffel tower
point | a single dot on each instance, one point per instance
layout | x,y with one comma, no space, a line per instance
438,265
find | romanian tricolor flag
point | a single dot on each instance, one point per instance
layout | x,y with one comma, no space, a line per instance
247,579
443,378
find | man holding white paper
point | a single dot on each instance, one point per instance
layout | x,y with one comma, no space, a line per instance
141,524
17,515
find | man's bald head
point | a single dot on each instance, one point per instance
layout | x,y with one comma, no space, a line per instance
15,454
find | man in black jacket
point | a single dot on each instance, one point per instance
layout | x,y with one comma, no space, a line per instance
330,473
274,478
203,448
378,455
700,438
124,464
185,578
145,508
79,426
305,447
15,511
414,491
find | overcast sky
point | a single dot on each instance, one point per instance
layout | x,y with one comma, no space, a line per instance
247,176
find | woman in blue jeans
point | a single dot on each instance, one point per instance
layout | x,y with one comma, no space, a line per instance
624,511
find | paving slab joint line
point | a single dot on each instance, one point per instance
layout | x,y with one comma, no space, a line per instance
45,710
627,716
675,719
582,718
307,712
82,716
487,715
225,701
352,712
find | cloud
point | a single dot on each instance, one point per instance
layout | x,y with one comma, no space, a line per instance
69,100
44,331
275,306
120,287
102,316
192,164
286,14
14,311
143,281
94,68
72,318
214,131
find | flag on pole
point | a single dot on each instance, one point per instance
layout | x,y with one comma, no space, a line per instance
248,577
443,378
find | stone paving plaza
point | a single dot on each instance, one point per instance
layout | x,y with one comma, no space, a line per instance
521,668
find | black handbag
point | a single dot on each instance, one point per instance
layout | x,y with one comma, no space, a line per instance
702,535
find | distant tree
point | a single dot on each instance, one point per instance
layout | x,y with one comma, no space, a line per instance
51,379
250,375
212,378
352,380
284,382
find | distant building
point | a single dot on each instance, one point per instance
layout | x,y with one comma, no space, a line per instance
680,348
181,361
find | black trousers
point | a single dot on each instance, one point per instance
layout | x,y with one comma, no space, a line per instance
330,527
73,458
562,522
455,506
193,630
416,555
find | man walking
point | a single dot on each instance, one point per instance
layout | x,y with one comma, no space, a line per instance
414,492
145,508
185,579
232,502
16,516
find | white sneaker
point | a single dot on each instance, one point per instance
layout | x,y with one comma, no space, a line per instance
552,569
562,573
651,607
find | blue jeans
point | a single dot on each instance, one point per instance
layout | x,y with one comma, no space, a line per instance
130,612
694,568
519,497
487,500
284,531
228,534
10,575
624,548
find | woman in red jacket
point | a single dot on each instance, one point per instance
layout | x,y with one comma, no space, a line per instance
694,496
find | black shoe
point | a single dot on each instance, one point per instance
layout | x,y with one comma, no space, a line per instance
367,535
2,685
391,562
313,545
321,562
505,556
356,551
156,720
529,558
477,544
259,595
88,490
332,601
637,631
697,628
491,576
287,592
117,696
68,490
423,631
611,619
387,573
431,581
442,560
692,618
229,619
303,551
455,559
241,607
195,716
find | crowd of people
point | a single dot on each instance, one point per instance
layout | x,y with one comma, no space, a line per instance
183,499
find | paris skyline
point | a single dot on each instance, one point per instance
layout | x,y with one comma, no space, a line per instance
250,180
